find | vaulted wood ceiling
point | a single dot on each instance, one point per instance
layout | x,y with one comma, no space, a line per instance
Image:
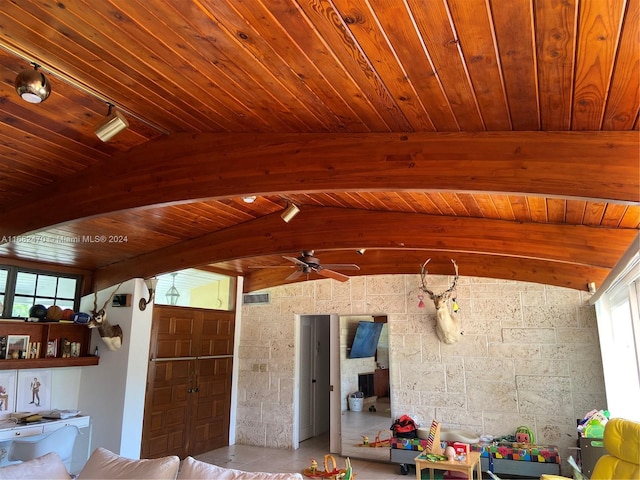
500,133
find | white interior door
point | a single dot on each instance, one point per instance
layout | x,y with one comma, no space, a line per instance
306,399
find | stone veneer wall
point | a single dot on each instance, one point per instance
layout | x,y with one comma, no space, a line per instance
529,356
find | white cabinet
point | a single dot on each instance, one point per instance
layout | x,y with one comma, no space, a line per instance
80,422
19,432
9,431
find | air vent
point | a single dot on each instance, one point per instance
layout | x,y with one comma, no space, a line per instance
254,298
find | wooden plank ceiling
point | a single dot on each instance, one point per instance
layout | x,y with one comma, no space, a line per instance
500,133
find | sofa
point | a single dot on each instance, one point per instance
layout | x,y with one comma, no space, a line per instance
104,464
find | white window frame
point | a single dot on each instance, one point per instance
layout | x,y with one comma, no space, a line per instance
620,343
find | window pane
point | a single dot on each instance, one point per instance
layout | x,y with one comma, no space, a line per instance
67,288
26,283
64,303
21,306
47,302
46,286
3,281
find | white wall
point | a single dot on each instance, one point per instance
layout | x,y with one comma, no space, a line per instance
113,392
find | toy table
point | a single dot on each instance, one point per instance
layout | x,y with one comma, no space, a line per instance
471,462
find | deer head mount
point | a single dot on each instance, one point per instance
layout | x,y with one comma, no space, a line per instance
111,334
447,327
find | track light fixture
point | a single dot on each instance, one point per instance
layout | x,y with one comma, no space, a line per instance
361,251
32,85
290,212
110,126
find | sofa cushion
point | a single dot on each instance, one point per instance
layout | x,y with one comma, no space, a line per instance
105,464
192,469
46,467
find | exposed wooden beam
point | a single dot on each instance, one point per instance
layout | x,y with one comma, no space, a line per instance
541,244
189,167
471,265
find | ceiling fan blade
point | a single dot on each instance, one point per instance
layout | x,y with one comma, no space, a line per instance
294,275
341,266
271,266
331,274
295,260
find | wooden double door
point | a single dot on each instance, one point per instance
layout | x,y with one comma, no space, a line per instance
188,398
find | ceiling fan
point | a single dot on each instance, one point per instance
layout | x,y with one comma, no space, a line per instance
307,263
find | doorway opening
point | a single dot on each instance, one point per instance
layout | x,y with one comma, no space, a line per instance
324,341
314,367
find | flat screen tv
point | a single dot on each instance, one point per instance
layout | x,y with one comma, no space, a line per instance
365,342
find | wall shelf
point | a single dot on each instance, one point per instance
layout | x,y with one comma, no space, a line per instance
44,332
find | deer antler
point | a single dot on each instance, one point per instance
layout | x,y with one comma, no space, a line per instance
95,300
423,274
447,328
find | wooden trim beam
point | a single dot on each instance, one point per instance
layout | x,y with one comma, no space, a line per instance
540,244
192,167
502,268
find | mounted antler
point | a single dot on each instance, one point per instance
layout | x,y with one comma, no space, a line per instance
447,328
111,334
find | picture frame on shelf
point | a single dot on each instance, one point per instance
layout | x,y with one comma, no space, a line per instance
17,346
52,349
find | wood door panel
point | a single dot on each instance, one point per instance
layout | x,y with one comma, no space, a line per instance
217,333
188,401
173,348
211,415
167,407
175,331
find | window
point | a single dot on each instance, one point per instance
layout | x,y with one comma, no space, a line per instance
20,289
195,288
619,331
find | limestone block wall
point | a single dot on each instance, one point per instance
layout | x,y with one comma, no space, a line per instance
529,356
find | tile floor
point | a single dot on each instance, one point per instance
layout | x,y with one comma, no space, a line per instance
354,424
371,424
253,459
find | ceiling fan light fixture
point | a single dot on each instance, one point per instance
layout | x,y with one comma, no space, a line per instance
291,211
111,125
32,86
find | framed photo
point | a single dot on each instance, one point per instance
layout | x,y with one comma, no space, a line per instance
34,390
17,346
7,393
52,348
